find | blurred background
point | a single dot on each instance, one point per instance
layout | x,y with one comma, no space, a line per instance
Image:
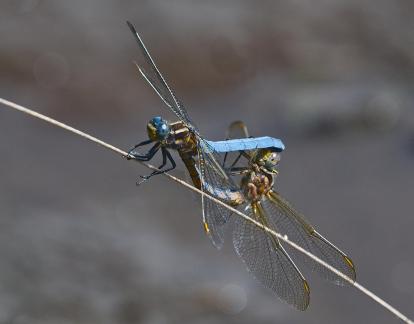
81,243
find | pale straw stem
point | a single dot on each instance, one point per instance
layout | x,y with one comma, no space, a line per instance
361,288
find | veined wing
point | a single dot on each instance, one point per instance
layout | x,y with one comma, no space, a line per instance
247,144
291,223
154,77
210,171
267,260
237,129
217,183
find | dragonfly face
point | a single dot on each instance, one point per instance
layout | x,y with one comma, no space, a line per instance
267,160
158,129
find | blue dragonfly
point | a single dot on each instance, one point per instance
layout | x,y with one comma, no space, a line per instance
264,254
199,156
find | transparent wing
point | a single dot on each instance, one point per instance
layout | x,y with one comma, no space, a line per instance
212,175
217,183
266,259
291,223
215,219
237,129
154,77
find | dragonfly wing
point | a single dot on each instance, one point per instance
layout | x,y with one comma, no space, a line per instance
156,87
237,129
266,259
154,77
291,223
212,175
217,183
215,218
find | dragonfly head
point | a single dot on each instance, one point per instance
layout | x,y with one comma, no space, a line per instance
267,159
158,129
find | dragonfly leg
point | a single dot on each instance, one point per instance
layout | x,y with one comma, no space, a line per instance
238,170
225,159
165,155
145,157
237,127
241,153
130,155
235,161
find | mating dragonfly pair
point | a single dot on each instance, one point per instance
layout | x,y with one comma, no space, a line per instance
263,253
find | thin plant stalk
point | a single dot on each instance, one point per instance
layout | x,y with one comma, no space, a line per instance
284,238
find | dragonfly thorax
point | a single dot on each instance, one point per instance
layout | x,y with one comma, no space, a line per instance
158,129
256,184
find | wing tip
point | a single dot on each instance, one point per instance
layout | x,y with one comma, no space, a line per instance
206,228
302,303
306,287
138,66
131,26
351,265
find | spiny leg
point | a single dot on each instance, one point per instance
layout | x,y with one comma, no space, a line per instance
241,153
173,165
130,155
148,156
236,129
165,155
164,162
224,160
236,160
238,170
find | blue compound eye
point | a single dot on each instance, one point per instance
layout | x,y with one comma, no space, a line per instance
158,128
156,120
163,129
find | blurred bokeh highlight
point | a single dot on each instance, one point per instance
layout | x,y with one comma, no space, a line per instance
80,243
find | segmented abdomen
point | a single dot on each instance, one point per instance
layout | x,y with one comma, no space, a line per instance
189,163
233,198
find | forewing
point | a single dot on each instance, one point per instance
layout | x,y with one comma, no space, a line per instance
266,259
237,129
217,183
291,223
215,218
154,77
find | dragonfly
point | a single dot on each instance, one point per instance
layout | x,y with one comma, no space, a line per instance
264,254
199,155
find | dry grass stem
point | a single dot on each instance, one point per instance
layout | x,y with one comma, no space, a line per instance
361,288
